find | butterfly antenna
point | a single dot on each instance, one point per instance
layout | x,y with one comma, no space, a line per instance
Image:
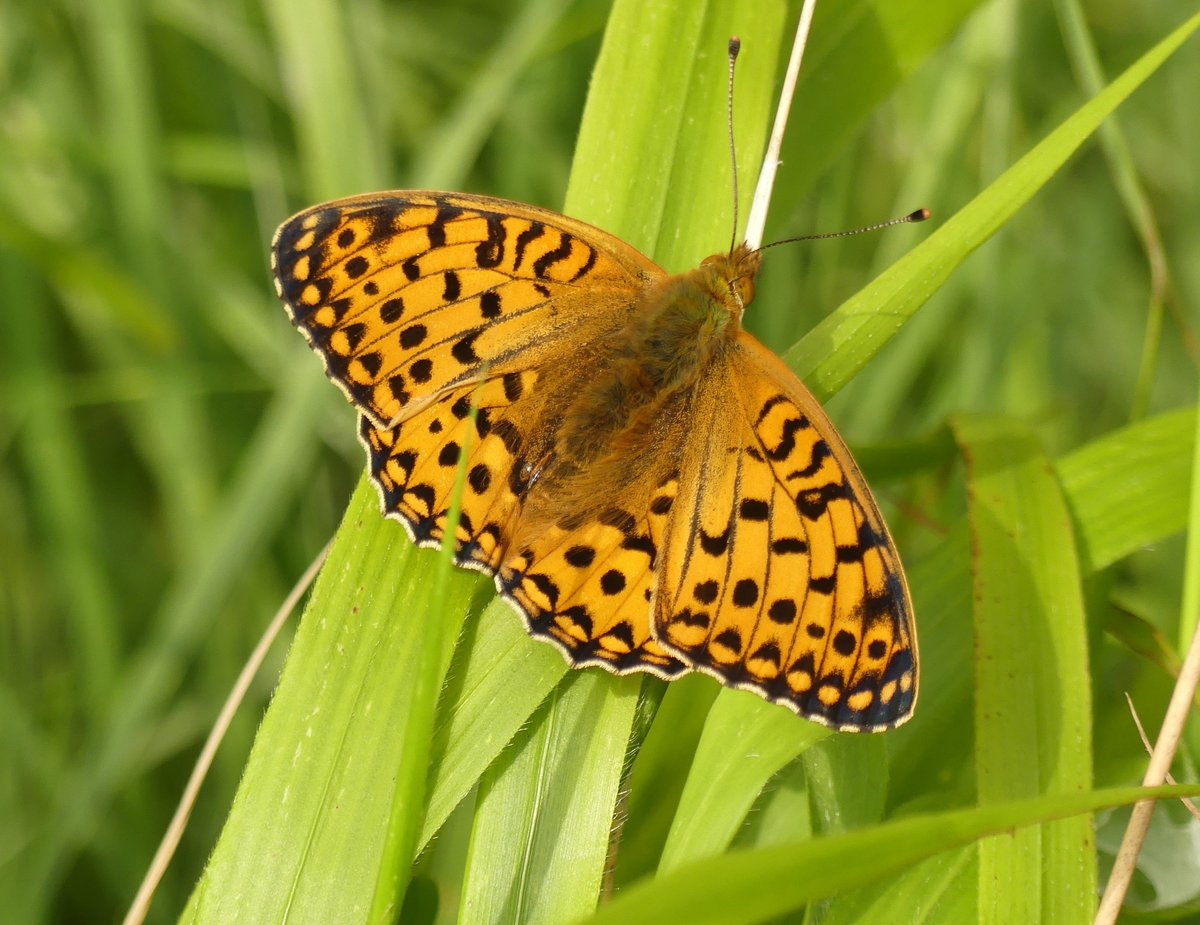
735,45
919,216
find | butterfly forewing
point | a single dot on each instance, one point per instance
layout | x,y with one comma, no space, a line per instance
407,294
778,574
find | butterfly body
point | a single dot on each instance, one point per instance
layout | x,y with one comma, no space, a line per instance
652,489
681,322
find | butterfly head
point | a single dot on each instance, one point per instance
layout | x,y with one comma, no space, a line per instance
731,277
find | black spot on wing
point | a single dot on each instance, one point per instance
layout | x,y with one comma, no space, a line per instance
714,545
813,502
489,253
464,350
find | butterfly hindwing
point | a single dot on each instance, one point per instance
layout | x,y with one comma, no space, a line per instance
415,466
588,589
582,568
778,574
583,586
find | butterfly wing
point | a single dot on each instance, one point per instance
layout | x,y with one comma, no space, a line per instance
408,295
584,577
584,586
457,325
421,303
778,574
581,580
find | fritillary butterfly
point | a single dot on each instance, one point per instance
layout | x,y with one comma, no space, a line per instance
651,488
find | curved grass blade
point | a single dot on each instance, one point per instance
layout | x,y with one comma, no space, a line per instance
754,886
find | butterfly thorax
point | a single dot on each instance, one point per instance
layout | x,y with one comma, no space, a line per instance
681,324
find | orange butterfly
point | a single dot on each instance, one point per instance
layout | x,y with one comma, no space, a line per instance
651,487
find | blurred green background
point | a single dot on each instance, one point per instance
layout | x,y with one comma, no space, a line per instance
171,457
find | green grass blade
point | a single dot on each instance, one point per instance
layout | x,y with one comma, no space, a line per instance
1033,688
346,739
545,811
657,778
745,742
847,778
1190,605
940,890
753,886
1126,489
483,709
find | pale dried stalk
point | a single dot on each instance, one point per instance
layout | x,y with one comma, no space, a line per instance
766,178
1161,757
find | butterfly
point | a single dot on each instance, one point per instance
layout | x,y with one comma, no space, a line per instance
651,488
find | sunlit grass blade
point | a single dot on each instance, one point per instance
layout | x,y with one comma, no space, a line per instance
483,709
545,810
658,778
311,821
